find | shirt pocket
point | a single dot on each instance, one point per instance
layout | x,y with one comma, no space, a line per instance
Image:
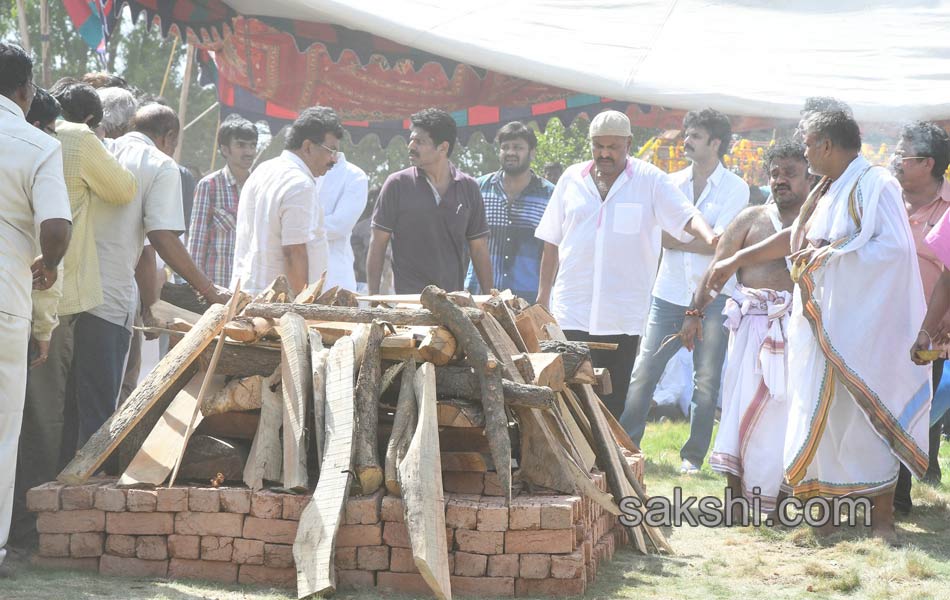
627,218
224,219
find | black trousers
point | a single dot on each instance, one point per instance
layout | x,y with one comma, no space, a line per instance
618,362
902,501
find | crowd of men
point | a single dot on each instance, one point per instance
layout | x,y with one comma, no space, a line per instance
775,301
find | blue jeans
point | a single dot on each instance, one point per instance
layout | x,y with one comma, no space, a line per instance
665,320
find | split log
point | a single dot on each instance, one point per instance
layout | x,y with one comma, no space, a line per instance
578,434
278,291
265,457
241,360
316,312
548,370
360,337
249,329
240,425
345,297
460,413
312,291
328,296
438,347
297,378
390,375
578,367
462,299
499,343
462,382
463,439
368,470
156,458
404,425
497,308
619,433
183,296
529,332
238,394
206,456
315,543
486,367
604,385
422,486
318,362
466,462
102,443
167,315
523,364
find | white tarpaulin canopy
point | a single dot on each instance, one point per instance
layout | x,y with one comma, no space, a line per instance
889,59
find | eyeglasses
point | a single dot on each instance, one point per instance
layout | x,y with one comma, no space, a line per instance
899,158
332,151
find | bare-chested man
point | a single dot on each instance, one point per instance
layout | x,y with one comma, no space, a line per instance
749,445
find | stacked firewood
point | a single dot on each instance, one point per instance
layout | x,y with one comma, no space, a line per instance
315,394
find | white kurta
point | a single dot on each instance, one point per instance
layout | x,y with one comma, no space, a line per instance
857,404
343,196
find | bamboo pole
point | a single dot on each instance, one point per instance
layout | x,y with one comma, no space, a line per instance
44,41
183,98
168,67
199,117
24,29
214,145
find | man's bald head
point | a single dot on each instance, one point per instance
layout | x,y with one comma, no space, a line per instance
160,123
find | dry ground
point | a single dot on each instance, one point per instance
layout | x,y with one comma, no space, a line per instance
710,563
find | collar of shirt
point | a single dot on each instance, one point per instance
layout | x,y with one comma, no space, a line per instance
297,161
498,182
454,173
857,165
11,107
714,179
625,175
140,137
229,175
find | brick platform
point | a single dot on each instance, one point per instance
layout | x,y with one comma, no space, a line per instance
539,545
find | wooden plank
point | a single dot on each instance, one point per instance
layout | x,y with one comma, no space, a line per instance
422,492
529,332
369,472
404,426
297,382
577,435
317,312
165,314
315,543
548,370
102,443
154,462
266,456
497,308
239,425
604,385
318,364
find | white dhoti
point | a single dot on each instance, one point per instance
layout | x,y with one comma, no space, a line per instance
750,441
857,405
15,333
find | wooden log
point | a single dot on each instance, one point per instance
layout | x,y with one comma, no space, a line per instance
167,315
360,337
297,383
462,299
500,344
422,492
390,375
156,458
208,456
312,291
410,299
461,382
328,296
266,456
183,296
318,363
102,443
345,297
315,543
548,370
529,332
466,462
438,347
316,312
604,385
368,469
576,356
238,425
238,394
497,308
578,434
404,425
460,413
486,367
249,329
523,364
278,291
241,360
463,439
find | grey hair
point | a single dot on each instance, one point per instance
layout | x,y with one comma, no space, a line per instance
929,140
118,109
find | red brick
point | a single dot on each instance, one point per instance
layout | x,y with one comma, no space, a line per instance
259,575
470,565
373,558
395,535
73,521
405,583
504,565
44,497
141,500
493,485
463,483
556,516
78,497
360,535
480,542
355,580
363,510
279,556
206,500
151,547
461,513
194,523
401,561
248,552
345,558
120,545
184,546
209,570
172,499
524,514
535,566
118,566
489,587
392,509
293,506
86,545
492,515
67,564
130,523
265,504
545,541
275,531
53,544
215,547
568,566
235,500
110,499
550,587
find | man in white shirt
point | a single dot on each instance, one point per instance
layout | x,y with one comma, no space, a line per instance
343,193
602,231
719,195
280,223
34,212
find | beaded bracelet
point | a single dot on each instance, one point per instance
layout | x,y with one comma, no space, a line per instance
695,312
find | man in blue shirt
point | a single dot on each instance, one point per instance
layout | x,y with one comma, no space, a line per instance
515,199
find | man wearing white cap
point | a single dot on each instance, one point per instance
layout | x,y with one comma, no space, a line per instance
602,233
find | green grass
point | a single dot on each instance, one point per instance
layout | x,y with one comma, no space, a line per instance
741,562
